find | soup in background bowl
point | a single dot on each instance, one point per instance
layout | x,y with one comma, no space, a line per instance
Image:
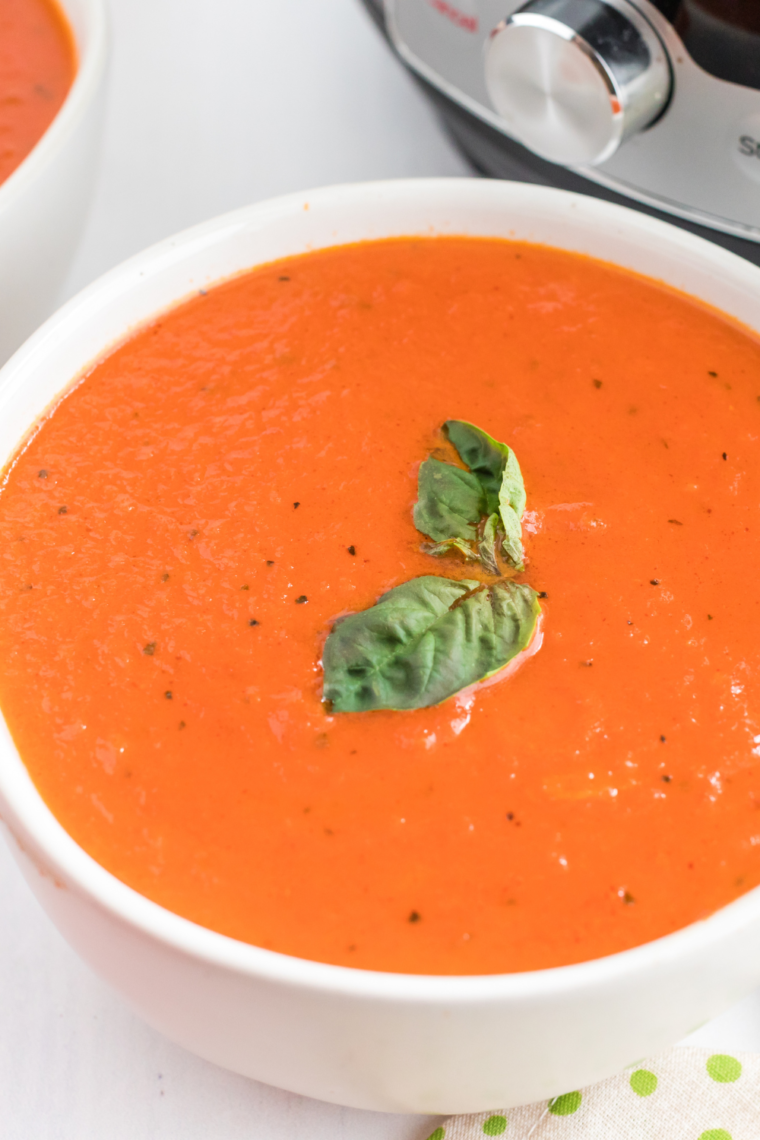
406,1040
37,68
52,67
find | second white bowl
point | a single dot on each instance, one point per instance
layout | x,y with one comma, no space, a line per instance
43,204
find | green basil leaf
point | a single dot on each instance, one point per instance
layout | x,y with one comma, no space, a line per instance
496,468
487,544
450,502
485,456
512,547
438,548
424,641
512,490
512,507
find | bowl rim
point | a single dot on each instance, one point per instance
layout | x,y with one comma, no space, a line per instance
40,836
92,56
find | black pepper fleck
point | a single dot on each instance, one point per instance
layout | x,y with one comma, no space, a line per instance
352,551
675,522
283,279
725,454
169,694
270,562
150,648
709,617
63,510
296,506
543,594
667,779
597,383
710,373
253,621
663,739
510,815
654,581
164,577
301,599
628,898
42,474
414,916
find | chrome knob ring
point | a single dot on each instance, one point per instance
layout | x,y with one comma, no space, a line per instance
573,79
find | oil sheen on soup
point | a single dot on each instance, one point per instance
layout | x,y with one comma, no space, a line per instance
182,533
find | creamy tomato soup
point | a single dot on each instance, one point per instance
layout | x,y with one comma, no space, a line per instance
37,64
182,532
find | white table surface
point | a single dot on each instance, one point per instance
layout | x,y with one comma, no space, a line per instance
213,104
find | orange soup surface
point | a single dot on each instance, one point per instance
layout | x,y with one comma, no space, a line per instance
181,532
37,64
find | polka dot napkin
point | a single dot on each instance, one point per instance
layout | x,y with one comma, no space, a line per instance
684,1094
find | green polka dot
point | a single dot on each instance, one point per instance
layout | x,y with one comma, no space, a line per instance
723,1068
566,1104
438,1134
643,1082
715,1134
495,1125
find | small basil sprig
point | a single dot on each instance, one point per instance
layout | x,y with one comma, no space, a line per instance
429,638
449,506
479,511
424,641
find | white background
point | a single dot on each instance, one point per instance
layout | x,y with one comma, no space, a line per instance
212,104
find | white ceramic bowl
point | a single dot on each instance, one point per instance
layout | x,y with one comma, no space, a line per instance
384,1041
44,202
